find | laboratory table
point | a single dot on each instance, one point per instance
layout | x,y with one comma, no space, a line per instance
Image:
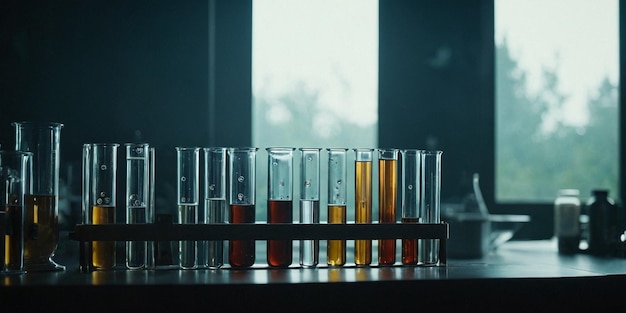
518,276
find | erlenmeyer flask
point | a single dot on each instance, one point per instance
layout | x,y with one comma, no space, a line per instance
41,220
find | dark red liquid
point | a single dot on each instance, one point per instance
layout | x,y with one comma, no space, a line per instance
241,252
279,252
409,246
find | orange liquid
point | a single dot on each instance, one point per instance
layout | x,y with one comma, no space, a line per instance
388,190
336,249
103,252
363,214
409,246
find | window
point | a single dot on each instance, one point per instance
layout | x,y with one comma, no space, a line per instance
314,78
557,81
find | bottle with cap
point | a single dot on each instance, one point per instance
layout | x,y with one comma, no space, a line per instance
603,224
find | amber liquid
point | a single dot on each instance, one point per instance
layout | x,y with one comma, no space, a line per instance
388,189
363,214
241,252
279,252
41,229
103,252
409,246
336,249
14,239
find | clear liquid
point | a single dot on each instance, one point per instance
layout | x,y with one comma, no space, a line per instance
428,251
309,249
187,214
215,213
136,250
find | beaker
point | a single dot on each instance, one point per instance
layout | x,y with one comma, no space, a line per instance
14,182
387,201
41,219
279,202
99,198
363,202
430,208
241,200
337,202
411,199
309,202
214,202
137,199
188,170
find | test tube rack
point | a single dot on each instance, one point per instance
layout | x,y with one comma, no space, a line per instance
167,231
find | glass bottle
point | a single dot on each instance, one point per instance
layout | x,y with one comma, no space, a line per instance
603,219
567,220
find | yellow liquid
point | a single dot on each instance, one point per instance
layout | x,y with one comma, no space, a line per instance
13,242
41,229
336,249
388,190
103,252
363,214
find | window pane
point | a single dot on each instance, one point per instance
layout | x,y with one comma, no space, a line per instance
557,80
314,77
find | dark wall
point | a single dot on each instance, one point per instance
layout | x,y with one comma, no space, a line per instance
436,85
128,71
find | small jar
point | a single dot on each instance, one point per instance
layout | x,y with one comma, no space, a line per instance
567,220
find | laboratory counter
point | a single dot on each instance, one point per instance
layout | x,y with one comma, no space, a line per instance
518,276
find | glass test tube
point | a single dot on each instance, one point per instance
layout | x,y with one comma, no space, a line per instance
279,202
188,168
99,198
151,213
309,202
363,203
214,201
137,199
242,197
411,198
387,201
430,208
14,182
41,217
337,201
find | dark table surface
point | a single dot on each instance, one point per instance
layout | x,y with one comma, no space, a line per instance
519,275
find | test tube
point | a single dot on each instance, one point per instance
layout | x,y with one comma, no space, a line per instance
363,202
188,168
99,198
411,197
387,200
337,201
430,208
279,202
137,199
151,215
14,183
214,201
309,202
242,197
